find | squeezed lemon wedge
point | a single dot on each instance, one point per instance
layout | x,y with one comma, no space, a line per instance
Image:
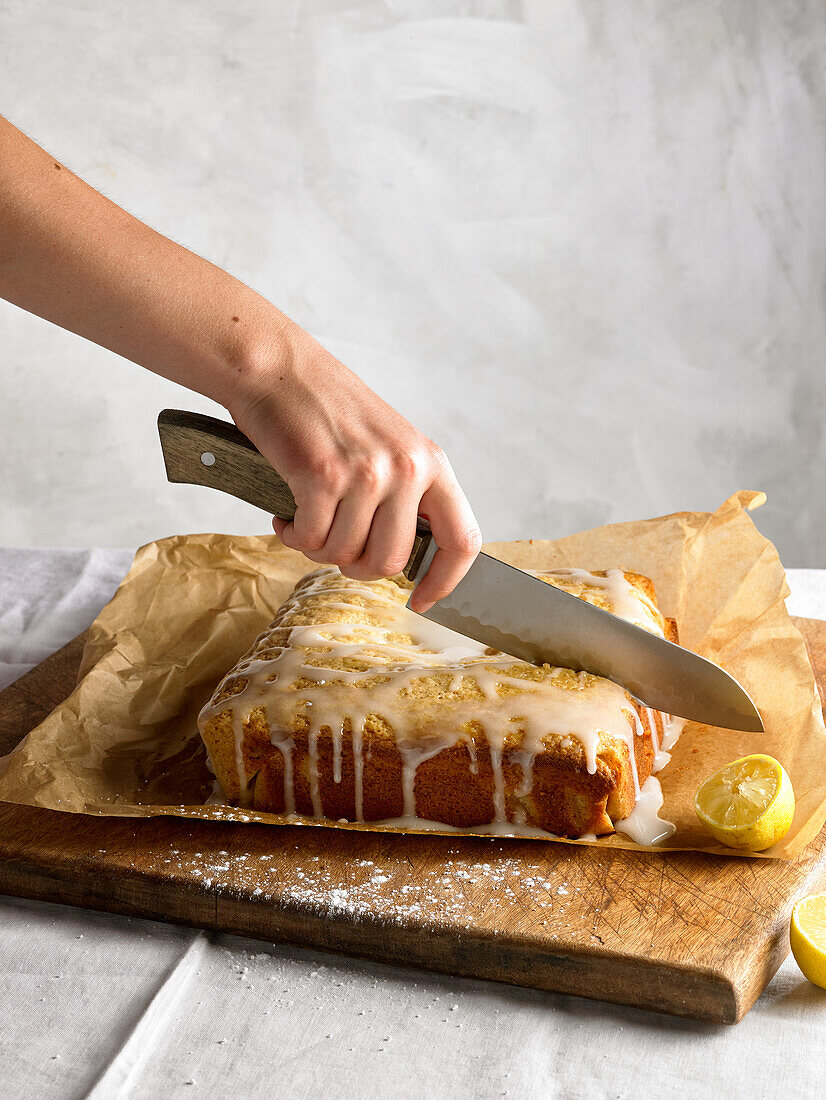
747,804
807,934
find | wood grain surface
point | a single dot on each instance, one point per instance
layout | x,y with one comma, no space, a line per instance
683,933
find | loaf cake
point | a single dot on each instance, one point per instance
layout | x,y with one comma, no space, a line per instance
350,707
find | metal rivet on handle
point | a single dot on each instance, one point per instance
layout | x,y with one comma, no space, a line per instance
208,458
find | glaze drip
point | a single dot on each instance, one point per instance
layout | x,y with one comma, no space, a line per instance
342,653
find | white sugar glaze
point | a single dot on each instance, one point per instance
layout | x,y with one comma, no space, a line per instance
393,648
643,823
620,597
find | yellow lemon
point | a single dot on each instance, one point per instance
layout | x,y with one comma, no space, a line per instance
808,937
747,804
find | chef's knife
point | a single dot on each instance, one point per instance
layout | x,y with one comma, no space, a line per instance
494,603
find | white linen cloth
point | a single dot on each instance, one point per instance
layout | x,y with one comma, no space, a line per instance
93,1004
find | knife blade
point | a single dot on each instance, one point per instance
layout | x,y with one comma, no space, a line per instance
495,603
510,610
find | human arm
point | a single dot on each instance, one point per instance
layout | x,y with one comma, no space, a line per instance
359,471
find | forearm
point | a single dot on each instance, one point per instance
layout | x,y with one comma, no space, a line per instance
73,257
358,470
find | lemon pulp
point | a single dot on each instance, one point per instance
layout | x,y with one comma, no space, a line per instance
748,803
808,937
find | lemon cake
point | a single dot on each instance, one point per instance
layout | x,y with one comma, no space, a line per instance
350,707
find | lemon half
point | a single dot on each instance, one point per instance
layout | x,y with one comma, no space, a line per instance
747,804
807,934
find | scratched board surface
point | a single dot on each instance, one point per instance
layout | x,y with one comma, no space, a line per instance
685,933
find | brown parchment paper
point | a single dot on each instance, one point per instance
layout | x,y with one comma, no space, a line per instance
125,742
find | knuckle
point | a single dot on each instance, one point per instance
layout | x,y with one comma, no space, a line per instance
474,540
311,554
312,541
397,560
437,456
409,464
388,556
326,471
360,572
287,536
388,566
369,472
468,541
343,557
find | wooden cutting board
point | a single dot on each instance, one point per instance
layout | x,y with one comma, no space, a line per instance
684,933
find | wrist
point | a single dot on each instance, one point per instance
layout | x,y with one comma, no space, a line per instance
260,353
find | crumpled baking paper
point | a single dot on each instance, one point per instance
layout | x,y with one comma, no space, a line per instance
125,741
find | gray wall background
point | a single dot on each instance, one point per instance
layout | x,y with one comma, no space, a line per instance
579,243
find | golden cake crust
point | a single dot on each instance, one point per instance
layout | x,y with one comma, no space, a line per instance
465,738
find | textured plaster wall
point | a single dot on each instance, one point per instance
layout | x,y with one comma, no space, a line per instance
580,243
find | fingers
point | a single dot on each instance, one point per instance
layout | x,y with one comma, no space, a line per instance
332,528
310,527
455,532
349,532
364,520
391,538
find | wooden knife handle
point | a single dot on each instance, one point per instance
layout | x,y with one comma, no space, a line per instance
420,545
200,450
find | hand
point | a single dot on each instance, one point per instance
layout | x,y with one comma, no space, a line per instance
359,472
